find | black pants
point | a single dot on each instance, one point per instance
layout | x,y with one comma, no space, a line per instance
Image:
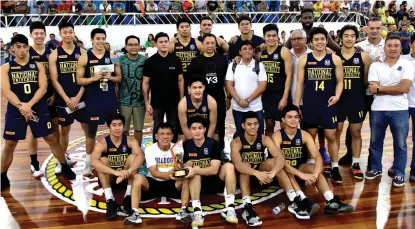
220,124
172,119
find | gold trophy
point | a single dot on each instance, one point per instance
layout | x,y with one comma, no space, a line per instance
179,171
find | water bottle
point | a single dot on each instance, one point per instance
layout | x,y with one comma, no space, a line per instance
278,209
105,85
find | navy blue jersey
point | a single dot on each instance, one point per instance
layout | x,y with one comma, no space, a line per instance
44,60
292,149
275,68
202,156
95,97
24,82
353,78
67,65
186,53
117,156
319,81
254,153
201,111
219,49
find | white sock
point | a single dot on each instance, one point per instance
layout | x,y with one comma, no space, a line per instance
184,207
135,210
88,158
128,191
108,194
328,195
229,199
246,200
196,204
291,194
334,164
355,160
301,194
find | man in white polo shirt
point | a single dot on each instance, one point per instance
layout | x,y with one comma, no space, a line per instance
411,98
389,81
245,82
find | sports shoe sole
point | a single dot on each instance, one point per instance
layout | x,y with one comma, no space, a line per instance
330,212
187,219
372,178
197,224
314,208
229,220
347,210
398,185
298,216
128,222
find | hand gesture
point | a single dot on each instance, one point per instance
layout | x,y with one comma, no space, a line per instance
373,88
97,76
333,100
228,103
191,173
308,178
243,103
74,101
263,177
282,104
237,59
25,108
171,177
149,109
124,174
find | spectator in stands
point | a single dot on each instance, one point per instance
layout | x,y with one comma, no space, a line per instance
187,6
21,8
410,27
274,5
365,8
355,6
232,10
283,37
318,8
393,29
119,8
152,8
52,7
175,7
90,8
294,6
284,7
150,51
80,44
307,4
243,10
107,47
212,7
401,13
331,33
392,9
105,8
405,36
402,22
375,9
412,17
3,52
163,6
200,6
52,43
77,9
362,33
262,7
388,19
63,8
150,39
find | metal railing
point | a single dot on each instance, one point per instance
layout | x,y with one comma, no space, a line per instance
12,20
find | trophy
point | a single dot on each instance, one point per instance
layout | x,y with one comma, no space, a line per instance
177,153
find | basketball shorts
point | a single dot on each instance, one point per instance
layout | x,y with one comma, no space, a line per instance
15,128
97,116
320,116
212,184
270,106
114,185
353,112
65,119
53,111
161,188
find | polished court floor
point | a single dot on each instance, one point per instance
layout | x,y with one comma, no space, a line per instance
29,204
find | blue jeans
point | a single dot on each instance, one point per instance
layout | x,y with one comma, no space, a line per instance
412,114
398,122
238,115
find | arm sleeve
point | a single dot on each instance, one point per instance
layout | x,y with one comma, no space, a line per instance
216,151
408,72
229,73
147,67
262,73
149,155
373,72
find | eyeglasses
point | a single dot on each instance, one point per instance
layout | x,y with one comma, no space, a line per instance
133,45
296,39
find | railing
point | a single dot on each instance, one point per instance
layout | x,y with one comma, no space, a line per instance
11,20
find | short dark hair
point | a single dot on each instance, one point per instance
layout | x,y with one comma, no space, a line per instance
244,18
37,25
270,27
206,18
392,36
115,117
96,31
160,35
249,114
349,27
20,38
196,119
163,125
374,19
288,108
196,78
246,42
413,39
208,35
65,24
52,34
307,10
183,20
79,41
132,37
317,30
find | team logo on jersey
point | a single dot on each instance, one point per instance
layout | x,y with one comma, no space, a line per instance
356,61
192,47
258,146
107,60
275,56
124,149
32,66
327,62
400,68
204,109
206,151
77,56
298,142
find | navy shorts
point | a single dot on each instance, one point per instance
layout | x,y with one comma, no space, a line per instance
65,119
99,116
212,184
354,112
270,106
53,111
320,116
15,128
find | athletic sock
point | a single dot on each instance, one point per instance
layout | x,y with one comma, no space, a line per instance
291,194
301,194
128,191
246,200
334,164
229,199
135,210
196,204
328,195
88,158
355,160
34,162
108,194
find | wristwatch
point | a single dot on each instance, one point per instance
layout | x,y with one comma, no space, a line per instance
377,90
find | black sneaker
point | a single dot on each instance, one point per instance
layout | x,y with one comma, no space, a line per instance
369,161
347,159
391,173
327,169
310,206
5,182
67,172
335,206
250,217
372,174
126,205
357,172
335,175
412,176
398,181
111,209
296,208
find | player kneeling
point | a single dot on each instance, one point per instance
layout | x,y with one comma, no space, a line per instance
248,156
116,158
160,180
292,142
202,156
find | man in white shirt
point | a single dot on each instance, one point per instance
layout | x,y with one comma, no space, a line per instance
411,99
160,180
245,82
390,80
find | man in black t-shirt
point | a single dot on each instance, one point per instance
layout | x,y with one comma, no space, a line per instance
202,156
162,71
213,66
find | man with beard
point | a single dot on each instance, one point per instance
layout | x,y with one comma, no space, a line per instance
206,25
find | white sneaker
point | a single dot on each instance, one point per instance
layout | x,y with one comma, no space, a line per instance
36,173
87,170
58,168
69,160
